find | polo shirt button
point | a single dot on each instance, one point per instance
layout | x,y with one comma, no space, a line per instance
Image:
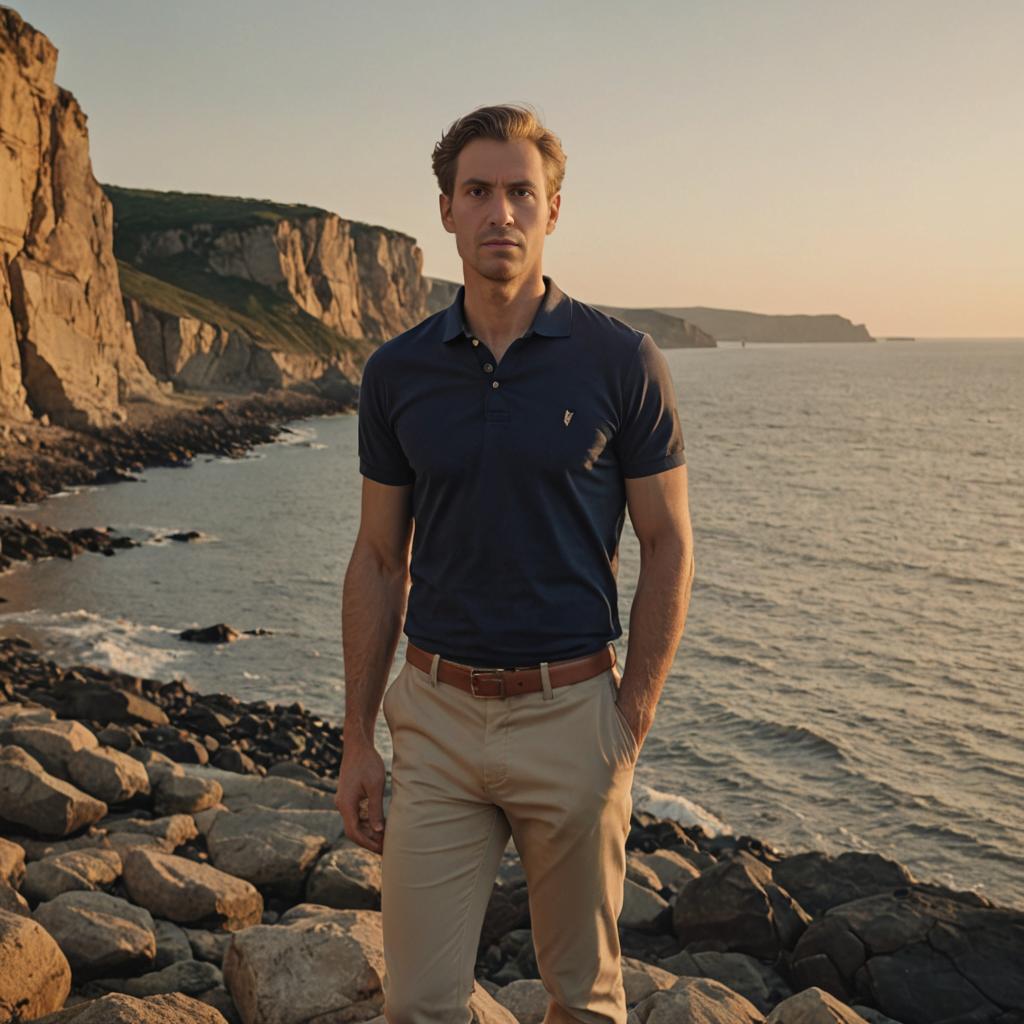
488,367
476,341
494,383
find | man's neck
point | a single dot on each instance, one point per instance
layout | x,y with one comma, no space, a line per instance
499,312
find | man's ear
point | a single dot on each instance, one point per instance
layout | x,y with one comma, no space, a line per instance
445,204
553,208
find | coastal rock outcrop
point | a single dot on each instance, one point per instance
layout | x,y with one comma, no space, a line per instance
740,325
66,351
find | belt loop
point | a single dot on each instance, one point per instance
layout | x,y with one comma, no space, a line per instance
545,679
433,669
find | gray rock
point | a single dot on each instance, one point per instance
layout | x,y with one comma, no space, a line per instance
172,945
12,901
118,1008
32,798
526,999
641,908
813,1006
93,838
697,1000
347,878
100,934
756,981
737,903
316,963
818,882
190,977
107,774
641,979
273,849
637,871
672,868
242,791
185,794
167,833
86,870
188,892
36,977
51,743
208,946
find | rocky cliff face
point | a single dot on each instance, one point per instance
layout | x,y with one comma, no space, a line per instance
66,351
365,282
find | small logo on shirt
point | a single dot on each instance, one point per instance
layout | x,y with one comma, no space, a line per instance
568,416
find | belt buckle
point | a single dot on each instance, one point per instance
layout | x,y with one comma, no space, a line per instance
496,672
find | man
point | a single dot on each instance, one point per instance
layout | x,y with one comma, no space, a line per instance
512,429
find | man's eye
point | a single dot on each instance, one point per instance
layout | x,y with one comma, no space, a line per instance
524,192
476,191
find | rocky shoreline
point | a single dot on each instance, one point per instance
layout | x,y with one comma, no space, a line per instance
176,856
39,460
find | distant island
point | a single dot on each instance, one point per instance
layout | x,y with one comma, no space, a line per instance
739,325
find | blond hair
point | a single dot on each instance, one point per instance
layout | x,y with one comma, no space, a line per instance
502,123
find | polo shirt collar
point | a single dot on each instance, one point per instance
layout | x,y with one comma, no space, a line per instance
553,318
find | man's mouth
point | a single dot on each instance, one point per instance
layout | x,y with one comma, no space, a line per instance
501,242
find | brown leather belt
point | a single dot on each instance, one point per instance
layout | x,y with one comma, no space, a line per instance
490,683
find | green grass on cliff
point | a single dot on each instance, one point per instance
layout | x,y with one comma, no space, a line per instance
183,285
236,305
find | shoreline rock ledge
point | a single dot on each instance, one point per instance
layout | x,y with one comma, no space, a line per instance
168,856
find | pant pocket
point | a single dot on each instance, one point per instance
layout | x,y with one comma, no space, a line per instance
632,745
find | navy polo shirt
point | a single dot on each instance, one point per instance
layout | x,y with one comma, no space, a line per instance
517,470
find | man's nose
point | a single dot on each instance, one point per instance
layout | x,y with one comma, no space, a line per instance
501,209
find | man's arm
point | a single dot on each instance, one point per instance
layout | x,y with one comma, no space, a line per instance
374,597
660,514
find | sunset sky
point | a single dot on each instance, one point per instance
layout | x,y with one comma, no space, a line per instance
864,159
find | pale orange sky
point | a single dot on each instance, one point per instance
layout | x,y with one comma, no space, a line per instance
783,157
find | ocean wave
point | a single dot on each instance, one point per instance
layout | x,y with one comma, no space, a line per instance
137,648
678,808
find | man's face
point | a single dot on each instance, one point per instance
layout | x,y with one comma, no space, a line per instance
499,210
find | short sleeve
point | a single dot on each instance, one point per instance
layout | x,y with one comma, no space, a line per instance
650,437
381,457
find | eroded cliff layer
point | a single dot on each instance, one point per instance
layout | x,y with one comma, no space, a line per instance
66,351
244,294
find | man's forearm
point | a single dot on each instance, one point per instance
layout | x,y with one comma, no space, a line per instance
657,619
372,612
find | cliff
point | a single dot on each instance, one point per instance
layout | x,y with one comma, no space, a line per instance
736,325
66,353
246,294
668,331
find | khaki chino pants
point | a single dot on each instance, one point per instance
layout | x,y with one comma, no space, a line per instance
552,769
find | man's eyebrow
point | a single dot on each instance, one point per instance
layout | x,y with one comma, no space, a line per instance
522,183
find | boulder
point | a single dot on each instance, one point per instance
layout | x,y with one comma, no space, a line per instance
273,849
812,1006
315,962
100,934
190,977
172,945
347,878
36,976
52,744
641,979
167,833
33,798
671,867
642,909
187,892
526,999
637,871
697,1001
818,882
756,981
185,794
174,1008
12,863
106,704
107,774
208,946
737,904
86,870
12,901
242,791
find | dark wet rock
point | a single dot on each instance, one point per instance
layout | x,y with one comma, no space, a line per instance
24,541
737,903
184,536
172,945
120,737
108,704
207,945
189,977
177,744
233,760
221,633
818,882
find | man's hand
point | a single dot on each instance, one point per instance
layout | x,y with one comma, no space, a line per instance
360,795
